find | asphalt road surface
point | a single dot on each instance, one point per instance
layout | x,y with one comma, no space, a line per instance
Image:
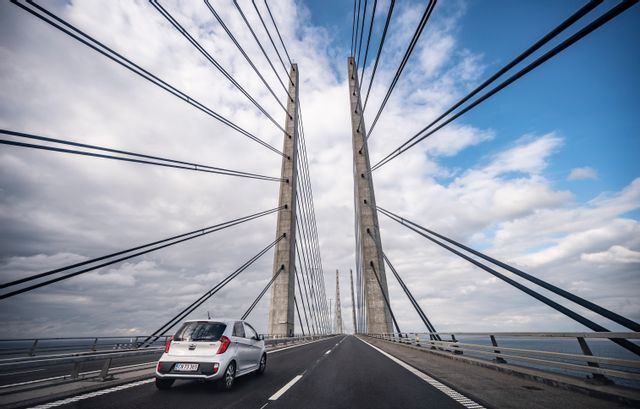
339,372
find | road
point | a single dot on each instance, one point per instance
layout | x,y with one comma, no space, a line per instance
339,372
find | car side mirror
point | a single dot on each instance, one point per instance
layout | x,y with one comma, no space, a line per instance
260,337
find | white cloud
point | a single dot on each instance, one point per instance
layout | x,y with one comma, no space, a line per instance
584,173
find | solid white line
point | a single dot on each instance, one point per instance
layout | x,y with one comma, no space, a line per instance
457,396
282,390
92,394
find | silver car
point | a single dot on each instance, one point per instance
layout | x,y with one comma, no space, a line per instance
213,349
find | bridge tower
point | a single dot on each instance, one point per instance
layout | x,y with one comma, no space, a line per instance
281,313
339,329
374,280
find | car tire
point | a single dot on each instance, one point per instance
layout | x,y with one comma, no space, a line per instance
164,384
226,383
263,365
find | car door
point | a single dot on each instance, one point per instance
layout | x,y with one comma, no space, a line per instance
242,350
254,346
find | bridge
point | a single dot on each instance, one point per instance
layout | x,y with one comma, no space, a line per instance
314,361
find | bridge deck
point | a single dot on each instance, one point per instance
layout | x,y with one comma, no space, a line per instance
345,372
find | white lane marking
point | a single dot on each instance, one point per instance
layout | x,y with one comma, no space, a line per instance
21,372
327,353
92,394
285,388
263,406
457,396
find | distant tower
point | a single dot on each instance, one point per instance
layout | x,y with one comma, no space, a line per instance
338,308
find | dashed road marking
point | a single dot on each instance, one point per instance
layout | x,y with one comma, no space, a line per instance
327,353
92,394
285,388
457,396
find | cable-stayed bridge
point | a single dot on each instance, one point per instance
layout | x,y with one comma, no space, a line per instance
311,362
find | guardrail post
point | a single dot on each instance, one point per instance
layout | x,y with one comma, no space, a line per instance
455,351
587,351
95,344
417,340
32,352
104,373
75,372
498,359
135,342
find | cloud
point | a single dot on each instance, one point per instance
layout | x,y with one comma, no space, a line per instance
584,173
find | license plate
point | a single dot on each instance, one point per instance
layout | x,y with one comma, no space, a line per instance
186,367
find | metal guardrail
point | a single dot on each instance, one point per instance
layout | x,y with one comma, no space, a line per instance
46,352
600,368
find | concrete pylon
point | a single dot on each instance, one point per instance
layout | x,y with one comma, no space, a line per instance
353,303
339,329
281,313
378,318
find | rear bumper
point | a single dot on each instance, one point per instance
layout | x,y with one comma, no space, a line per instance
165,370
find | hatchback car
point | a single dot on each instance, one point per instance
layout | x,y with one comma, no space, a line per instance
213,349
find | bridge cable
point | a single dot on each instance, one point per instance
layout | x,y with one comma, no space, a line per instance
244,54
190,308
545,39
295,303
271,40
600,21
366,53
306,256
278,32
375,65
353,26
630,346
310,328
313,218
264,52
155,160
313,310
414,40
262,293
632,325
91,42
171,241
213,61
355,44
386,299
359,53
433,333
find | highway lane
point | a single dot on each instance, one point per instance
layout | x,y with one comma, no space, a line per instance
340,372
358,376
250,391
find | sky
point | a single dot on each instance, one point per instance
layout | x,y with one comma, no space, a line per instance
544,175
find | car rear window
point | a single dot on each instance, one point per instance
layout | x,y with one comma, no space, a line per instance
200,331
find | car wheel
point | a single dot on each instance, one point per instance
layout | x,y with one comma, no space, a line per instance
164,384
263,364
229,376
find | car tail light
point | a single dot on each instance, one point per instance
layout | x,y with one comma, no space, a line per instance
168,345
224,344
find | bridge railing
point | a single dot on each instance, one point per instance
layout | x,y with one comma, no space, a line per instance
72,353
564,352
